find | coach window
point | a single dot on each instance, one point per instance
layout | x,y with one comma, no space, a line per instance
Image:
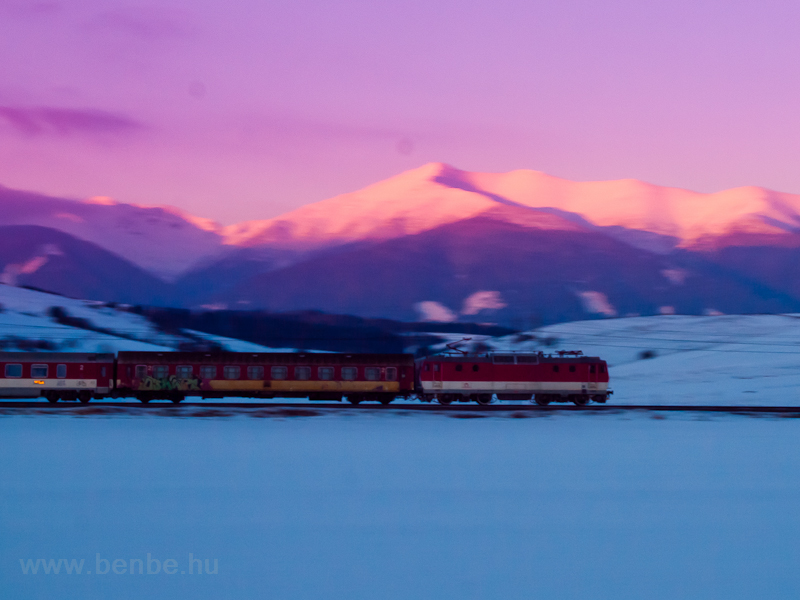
13,370
208,372
102,371
38,371
280,372
231,372
591,369
141,371
161,371
183,371
61,371
475,367
302,373
555,368
435,367
372,373
255,372
349,373
391,373
427,366
325,373
459,367
572,368
602,368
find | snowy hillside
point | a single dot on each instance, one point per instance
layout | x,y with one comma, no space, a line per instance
722,360
32,320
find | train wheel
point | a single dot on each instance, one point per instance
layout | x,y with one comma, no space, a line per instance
177,399
385,400
580,399
52,397
445,399
541,399
354,399
144,399
483,399
84,397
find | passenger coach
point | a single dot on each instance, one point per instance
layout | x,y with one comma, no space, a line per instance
323,376
56,375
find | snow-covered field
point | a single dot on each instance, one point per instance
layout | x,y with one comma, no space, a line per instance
397,505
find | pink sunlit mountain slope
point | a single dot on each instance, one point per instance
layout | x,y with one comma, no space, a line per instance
436,194
402,205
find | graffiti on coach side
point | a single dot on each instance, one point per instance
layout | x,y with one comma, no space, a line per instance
169,383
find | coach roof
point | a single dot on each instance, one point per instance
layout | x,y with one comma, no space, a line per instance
55,357
269,358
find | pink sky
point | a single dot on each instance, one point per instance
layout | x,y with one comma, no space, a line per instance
245,110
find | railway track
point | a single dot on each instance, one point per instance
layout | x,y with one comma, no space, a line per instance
328,407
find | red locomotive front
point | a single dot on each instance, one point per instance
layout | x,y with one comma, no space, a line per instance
565,377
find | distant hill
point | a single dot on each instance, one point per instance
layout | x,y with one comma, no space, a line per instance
162,240
51,260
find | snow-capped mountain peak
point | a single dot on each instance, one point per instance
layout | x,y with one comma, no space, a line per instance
436,194
432,195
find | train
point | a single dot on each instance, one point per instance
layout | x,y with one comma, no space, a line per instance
444,378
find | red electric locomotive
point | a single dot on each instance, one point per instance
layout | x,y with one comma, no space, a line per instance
564,377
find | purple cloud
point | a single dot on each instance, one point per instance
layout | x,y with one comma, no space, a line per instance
44,120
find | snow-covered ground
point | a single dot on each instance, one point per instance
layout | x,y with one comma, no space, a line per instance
722,360
389,505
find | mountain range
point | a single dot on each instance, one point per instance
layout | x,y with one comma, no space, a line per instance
437,243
